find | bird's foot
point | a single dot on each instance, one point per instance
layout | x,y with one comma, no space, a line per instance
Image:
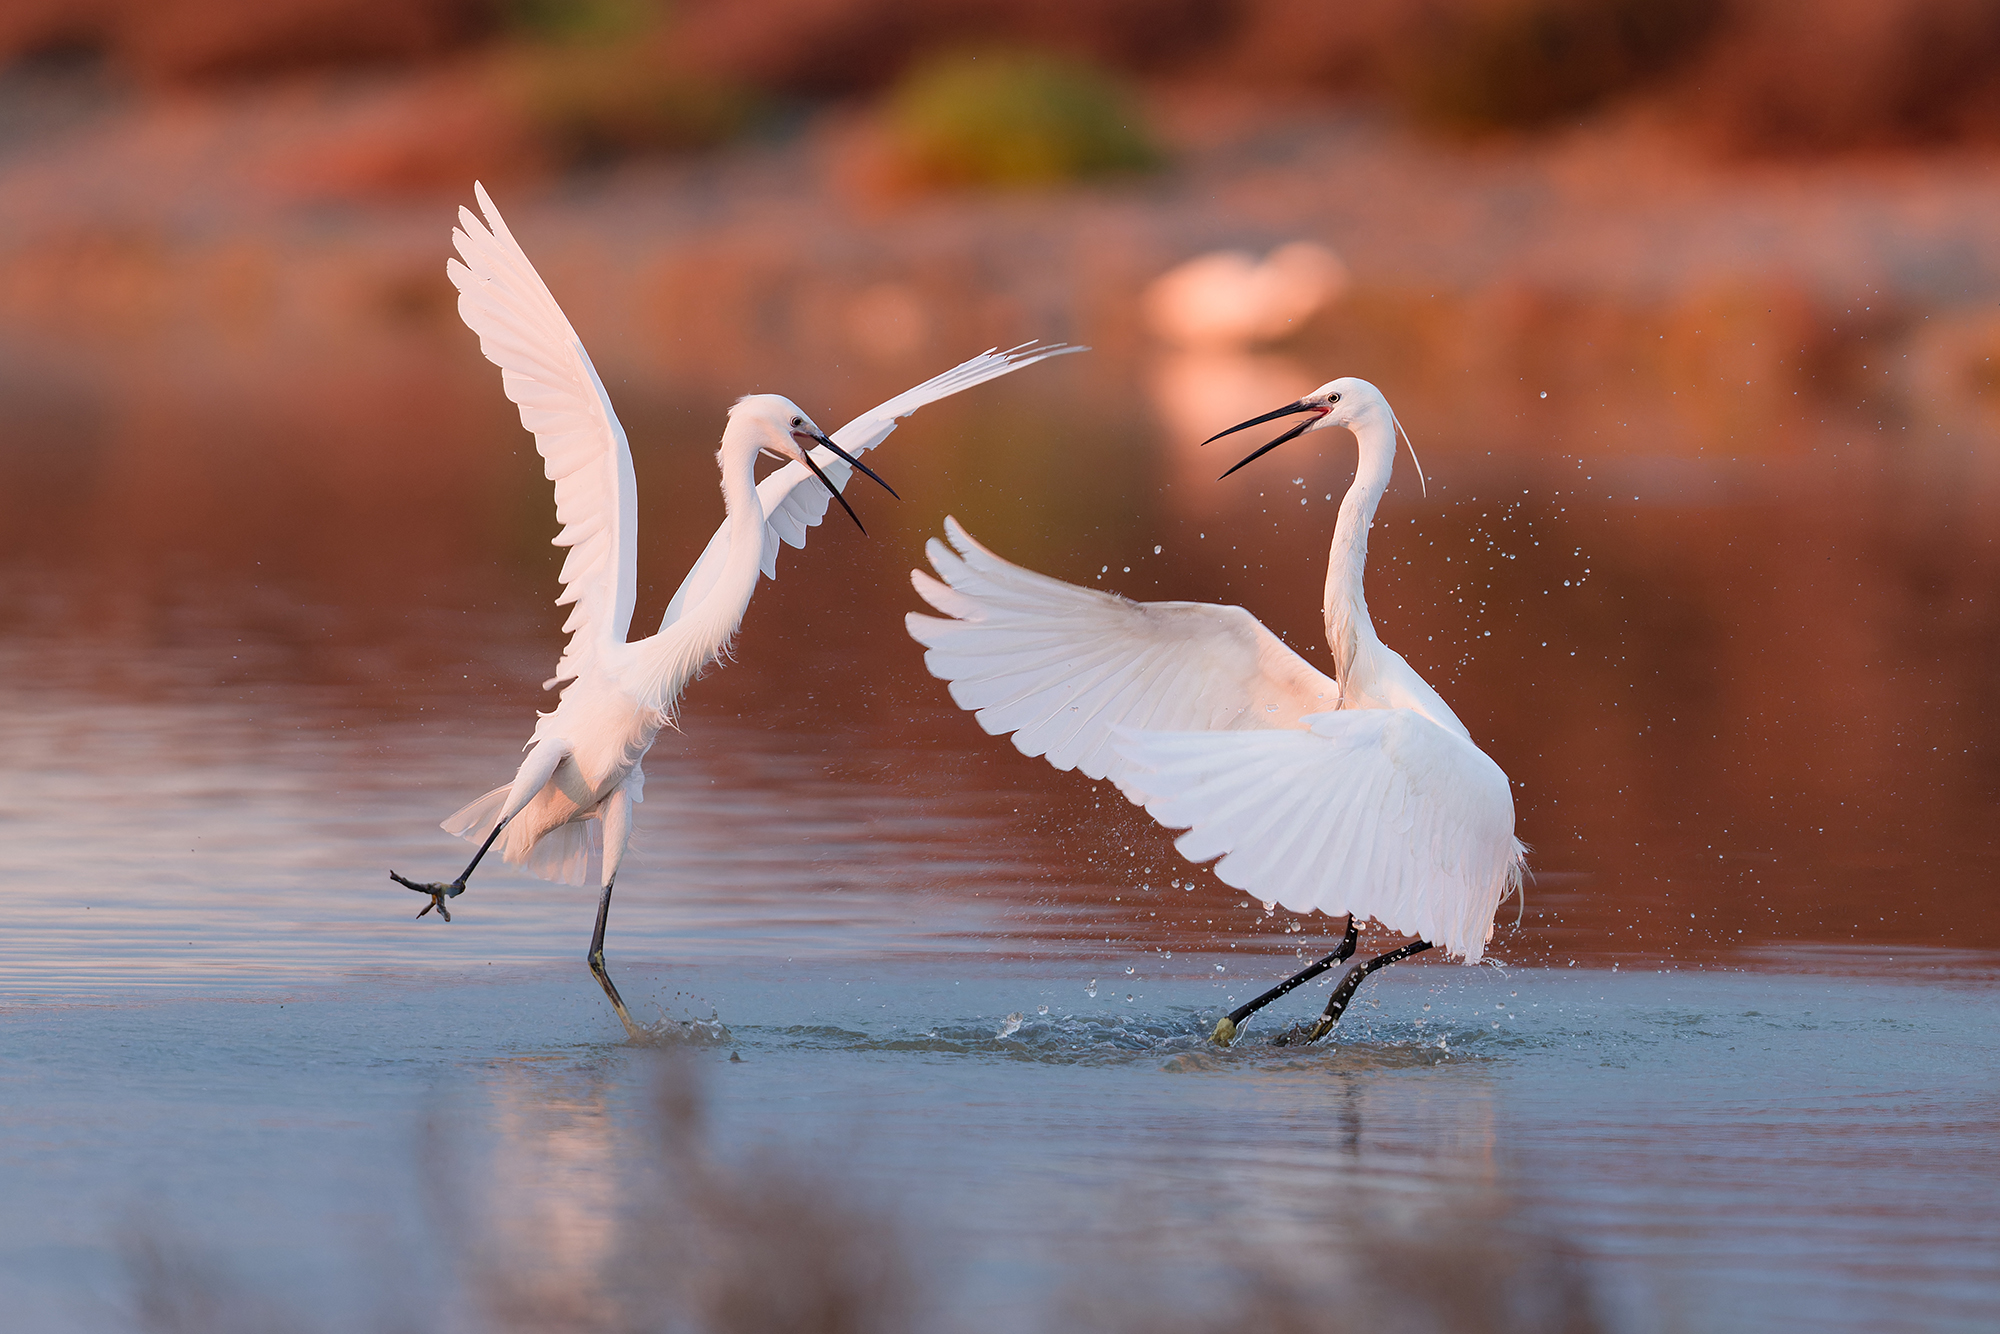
439,891
1301,1035
1225,1032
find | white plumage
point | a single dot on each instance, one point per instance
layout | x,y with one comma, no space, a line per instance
1359,793
582,771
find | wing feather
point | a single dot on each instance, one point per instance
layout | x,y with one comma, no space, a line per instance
1206,718
793,499
1061,667
1378,812
547,374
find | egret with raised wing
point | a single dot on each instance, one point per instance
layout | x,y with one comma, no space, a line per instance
1358,794
583,774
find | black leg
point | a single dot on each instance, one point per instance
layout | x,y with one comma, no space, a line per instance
1336,1004
1225,1028
596,958
439,890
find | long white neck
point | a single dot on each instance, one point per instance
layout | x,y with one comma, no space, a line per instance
1346,609
702,633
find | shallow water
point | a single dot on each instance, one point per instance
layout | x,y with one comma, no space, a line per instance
1737,1061
1722,1150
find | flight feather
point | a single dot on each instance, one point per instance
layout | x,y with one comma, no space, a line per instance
549,377
1061,667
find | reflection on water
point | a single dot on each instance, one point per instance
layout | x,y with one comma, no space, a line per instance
548,1196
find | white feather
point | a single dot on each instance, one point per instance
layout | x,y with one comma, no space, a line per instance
548,375
1062,667
1422,819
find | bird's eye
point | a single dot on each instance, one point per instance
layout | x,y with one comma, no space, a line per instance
1334,399
798,421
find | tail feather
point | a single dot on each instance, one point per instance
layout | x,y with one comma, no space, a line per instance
562,854
475,820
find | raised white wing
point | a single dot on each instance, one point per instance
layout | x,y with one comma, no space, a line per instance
546,372
1060,666
1377,812
793,499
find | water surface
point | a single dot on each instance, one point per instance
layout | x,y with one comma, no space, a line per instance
1735,1061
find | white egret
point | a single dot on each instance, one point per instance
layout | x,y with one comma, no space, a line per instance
583,775
1359,794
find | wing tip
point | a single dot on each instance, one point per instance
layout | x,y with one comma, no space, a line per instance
961,539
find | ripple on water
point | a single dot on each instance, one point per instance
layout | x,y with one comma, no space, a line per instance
1180,1034
1059,1040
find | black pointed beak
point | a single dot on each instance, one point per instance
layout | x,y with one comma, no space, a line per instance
854,463
1290,409
820,437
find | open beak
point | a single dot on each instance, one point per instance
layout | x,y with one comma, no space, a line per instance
807,439
1290,409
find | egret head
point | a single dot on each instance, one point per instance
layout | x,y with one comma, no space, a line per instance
780,428
1350,402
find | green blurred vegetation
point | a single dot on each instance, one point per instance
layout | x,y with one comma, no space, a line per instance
1014,118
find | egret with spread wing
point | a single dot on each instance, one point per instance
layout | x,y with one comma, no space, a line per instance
1359,794
582,775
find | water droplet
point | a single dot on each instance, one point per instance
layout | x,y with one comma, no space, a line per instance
1011,1026
1219,968
1427,1007
1545,393
1091,990
1041,1009
1130,971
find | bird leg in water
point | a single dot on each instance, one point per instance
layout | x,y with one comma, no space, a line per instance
1225,1028
1336,1004
439,890
596,957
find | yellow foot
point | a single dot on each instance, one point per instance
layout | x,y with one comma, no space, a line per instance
1225,1032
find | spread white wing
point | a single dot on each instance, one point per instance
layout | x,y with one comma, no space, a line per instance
1206,718
548,375
1376,812
1060,666
793,498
